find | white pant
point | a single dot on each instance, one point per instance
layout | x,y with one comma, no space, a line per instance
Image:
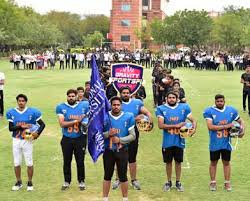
22,147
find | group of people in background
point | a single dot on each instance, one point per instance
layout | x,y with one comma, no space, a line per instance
199,60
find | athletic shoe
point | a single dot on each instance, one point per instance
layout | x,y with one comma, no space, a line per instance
213,186
136,185
30,186
17,186
167,187
65,186
116,184
179,186
227,186
82,186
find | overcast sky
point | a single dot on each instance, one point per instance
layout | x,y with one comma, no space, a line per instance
83,7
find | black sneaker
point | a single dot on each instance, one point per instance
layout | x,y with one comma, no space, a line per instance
17,186
179,187
167,186
30,186
65,186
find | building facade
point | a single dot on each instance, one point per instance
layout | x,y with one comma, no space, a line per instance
128,16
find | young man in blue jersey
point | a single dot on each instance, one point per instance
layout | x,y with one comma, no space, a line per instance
70,115
171,117
219,120
20,119
136,107
119,131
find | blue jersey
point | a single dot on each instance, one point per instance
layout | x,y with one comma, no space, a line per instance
27,116
71,113
124,123
133,106
173,115
220,139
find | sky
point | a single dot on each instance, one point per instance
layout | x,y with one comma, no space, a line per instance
85,7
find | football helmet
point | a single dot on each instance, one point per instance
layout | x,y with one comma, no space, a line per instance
184,130
28,132
235,130
144,124
84,125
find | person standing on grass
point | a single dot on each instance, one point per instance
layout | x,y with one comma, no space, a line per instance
245,80
136,107
119,130
70,115
171,117
21,118
219,120
2,82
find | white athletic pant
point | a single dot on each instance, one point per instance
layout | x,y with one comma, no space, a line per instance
22,147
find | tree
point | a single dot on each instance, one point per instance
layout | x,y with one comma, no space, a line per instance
93,40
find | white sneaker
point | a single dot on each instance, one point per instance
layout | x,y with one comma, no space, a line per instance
116,184
136,185
65,186
82,186
17,186
30,186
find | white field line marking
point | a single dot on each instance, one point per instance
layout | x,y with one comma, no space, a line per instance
236,144
186,160
3,128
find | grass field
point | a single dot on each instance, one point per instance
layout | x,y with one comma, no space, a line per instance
45,89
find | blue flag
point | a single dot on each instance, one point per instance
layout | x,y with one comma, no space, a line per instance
98,109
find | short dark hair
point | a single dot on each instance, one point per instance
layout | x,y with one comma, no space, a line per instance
125,88
114,98
173,93
87,82
70,91
80,88
170,77
22,96
176,82
218,96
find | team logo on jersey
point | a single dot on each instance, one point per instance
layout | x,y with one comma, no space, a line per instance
64,111
126,74
30,117
232,114
164,113
183,112
214,116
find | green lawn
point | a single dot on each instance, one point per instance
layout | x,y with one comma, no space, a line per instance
45,89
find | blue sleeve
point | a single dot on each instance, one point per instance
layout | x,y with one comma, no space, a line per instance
37,115
9,116
207,114
158,112
87,107
106,125
59,110
187,110
131,122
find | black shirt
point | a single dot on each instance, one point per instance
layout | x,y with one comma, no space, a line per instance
246,78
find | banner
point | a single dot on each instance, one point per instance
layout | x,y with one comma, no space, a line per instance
98,109
126,74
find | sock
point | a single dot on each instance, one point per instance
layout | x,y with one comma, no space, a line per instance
170,182
124,199
105,199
